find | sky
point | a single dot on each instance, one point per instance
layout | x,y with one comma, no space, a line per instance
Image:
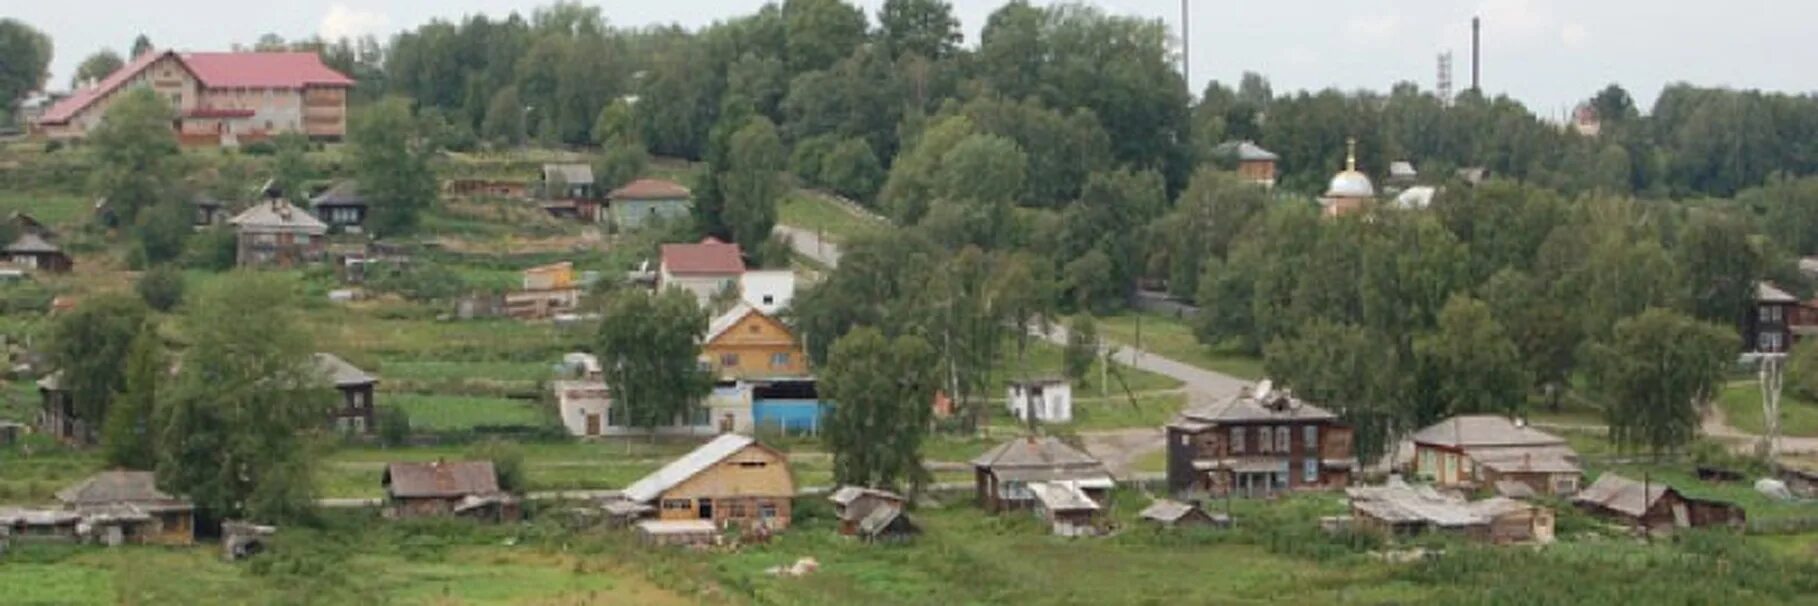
1549,54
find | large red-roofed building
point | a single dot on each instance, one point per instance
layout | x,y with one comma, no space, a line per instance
219,98
703,269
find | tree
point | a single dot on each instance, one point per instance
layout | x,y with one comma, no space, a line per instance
1082,347
1540,324
1802,369
392,166
1654,373
1720,267
752,183
1468,364
915,173
161,287
880,389
621,163
89,348
505,118
234,426
820,32
851,169
96,67
507,463
1351,371
136,156
290,168
614,125
127,435
163,229
28,55
926,28
982,169
648,346
1205,221
141,45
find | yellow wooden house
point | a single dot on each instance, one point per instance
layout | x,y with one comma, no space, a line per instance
732,480
745,343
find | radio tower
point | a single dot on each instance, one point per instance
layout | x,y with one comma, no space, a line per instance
1445,78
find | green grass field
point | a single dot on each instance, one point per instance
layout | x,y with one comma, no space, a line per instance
1741,402
817,214
1044,360
1172,338
443,413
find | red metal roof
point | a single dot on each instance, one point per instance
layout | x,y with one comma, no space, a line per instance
263,70
711,256
214,70
649,189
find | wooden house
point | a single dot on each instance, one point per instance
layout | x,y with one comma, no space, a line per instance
1768,328
1254,164
1260,442
1399,510
1004,475
1483,450
1168,513
127,507
871,514
57,416
1067,508
355,386
732,480
745,343
32,251
447,488
341,206
649,201
277,233
567,181
1653,506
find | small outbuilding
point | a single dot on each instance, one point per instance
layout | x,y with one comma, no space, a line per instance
1398,510
1655,506
1169,513
1067,509
127,507
447,488
1044,400
872,514
32,251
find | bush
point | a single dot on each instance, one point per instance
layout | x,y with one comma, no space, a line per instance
1802,370
214,249
259,148
507,461
394,426
161,287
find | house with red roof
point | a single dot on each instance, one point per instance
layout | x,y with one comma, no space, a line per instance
704,270
644,202
218,98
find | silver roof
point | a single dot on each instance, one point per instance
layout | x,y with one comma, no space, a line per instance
279,215
341,373
1468,431
679,470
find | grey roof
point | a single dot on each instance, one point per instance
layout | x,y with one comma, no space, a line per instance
441,479
31,243
340,372
880,519
1416,197
1514,490
1622,495
847,494
1402,169
279,215
1167,510
1260,403
115,487
342,193
1246,151
51,382
1526,460
1039,452
1397,502
569,173
1062,496
11,516
1474,431
1764,292
679,470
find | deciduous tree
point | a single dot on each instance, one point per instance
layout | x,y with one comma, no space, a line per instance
89,347
1468,364
881,390
648,345
127,435
752,182
1654,372
136,156
96,67
392,165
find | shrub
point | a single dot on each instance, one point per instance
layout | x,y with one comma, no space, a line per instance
212,249
394,426
259,148
507,461
161,287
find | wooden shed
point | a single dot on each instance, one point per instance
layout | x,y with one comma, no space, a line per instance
1168,513
872,514
127,506
447,488
1654,506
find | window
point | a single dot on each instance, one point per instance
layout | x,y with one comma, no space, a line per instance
615,416
1264,445
1310,439
677,504
767,510
751,465
735,509
1768,341
753,329
1281,439
768,300
729,360
779,360
1309,470
359,424
700,416
1237,440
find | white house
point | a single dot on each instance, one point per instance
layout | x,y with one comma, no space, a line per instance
586,408
583,405
1050,398
703,269
768,290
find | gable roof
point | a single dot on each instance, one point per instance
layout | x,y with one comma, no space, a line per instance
881,518
1622,495
118,486
1167,510
1477,431
1246,151
710,256
724,322
285,70
1062,496
570,173
31,243
279,215
441,479
1398,502
341,373
1766,292
1040,458
1262,402
650,189
345,192
690,465
849,493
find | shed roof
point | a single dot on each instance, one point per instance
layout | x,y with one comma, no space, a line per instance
710,256
880,519
849,493
1260,403
117,486
1622,495
650,189
440,479
340,372
1767,292
570,173
31,243
691,464
1473,431
1167,510
1062,496
279,215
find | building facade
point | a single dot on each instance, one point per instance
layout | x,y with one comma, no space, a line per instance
704,270
277,233
1260,442
219,98
1481,450
732,480
745,343
649,201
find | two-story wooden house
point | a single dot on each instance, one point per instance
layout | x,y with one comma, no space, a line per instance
277,233
732,480
355,387
1768,328
745,343
1260,442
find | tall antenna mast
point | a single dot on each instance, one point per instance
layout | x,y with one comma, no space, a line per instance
1445,78
1476,54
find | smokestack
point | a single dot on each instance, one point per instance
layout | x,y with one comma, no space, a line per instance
1476,54
1186,49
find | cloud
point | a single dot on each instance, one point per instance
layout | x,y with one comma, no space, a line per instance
1299,55
1574,35
1371,29
343,22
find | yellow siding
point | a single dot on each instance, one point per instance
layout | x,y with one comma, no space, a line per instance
751,348
738,476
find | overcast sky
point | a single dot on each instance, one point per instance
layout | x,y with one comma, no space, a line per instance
1547,53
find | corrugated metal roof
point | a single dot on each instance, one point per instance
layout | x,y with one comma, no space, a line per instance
679,470
1260,403
710,256
1468,431
437,479
1062,496
340,372
283,70
1167,510
279,215
31,243
1621,494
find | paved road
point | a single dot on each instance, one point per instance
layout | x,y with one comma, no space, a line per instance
811,245
1200,381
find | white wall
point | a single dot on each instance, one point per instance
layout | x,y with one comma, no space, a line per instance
769,291
1054,406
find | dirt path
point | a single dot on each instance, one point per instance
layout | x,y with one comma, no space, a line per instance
1121,449
1716,426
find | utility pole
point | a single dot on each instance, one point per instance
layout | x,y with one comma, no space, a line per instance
1772,371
